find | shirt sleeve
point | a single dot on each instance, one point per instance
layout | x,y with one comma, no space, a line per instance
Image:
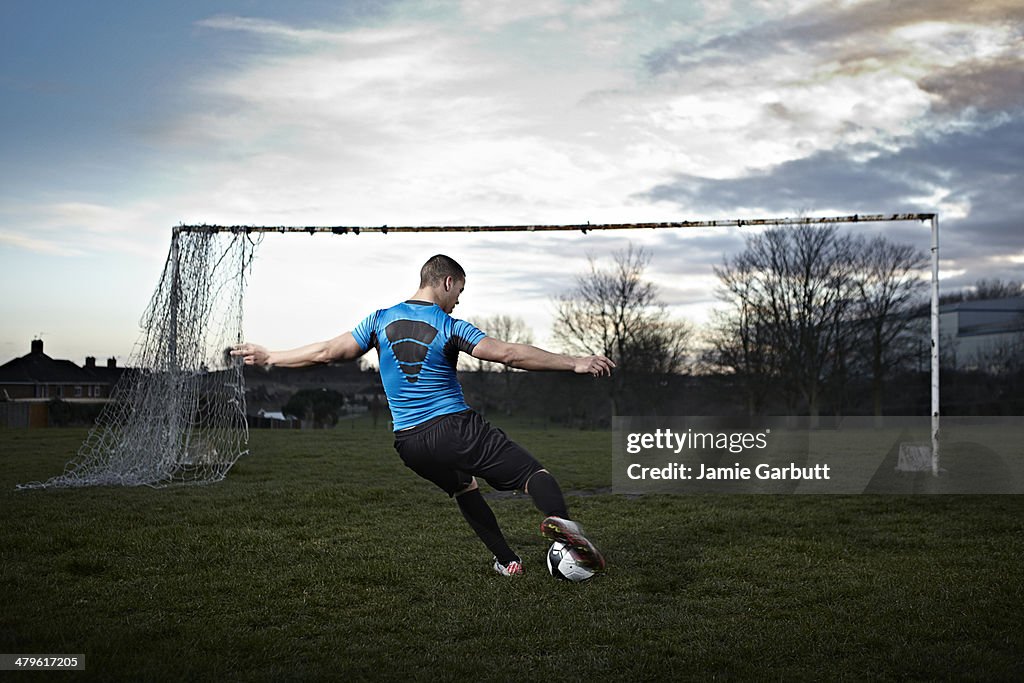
365,332
466,336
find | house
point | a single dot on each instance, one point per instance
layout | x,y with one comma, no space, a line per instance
35,379
273,419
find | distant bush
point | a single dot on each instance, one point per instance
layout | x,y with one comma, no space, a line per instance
322,406
65,414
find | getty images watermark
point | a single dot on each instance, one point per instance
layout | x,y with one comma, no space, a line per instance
829,455
733,442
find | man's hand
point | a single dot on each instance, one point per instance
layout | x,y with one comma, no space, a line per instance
252,354
598,366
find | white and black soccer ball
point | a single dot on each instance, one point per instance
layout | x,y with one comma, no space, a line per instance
563,563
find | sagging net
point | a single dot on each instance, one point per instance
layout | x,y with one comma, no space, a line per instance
177,415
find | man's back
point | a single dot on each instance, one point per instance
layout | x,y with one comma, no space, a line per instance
418,346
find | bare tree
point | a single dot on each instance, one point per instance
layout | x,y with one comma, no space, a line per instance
506,328
984,289
888,286
995,288
789,293
490,376
738,343
616,312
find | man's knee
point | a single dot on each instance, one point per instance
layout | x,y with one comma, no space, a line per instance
472,486
526,485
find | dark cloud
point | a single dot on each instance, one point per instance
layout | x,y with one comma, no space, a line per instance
988,86
982,169
828,178
856,27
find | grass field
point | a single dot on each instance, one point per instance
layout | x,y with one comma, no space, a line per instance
322,557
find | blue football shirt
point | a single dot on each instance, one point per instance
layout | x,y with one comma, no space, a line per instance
418,345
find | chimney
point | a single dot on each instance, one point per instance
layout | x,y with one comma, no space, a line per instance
90,361
37,346
111,362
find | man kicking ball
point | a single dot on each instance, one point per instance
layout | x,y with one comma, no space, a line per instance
437,435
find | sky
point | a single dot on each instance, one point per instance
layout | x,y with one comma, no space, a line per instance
122,119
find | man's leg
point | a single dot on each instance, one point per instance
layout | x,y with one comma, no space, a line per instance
481,518
421,456
546,494
507,466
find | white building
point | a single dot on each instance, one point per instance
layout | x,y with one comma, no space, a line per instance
982,335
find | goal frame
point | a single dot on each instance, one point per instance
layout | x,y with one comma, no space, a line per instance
931,218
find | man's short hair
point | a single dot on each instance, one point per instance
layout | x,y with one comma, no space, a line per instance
437,268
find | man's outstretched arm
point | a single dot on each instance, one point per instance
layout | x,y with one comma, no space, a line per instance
528,357
341,348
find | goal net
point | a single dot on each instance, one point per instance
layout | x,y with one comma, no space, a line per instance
177,415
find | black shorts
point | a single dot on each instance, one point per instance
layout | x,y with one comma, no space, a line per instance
450,450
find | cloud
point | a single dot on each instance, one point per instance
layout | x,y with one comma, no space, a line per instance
831,75
495,14
970,177
854,33
856,107
41,246
992,85
551,111
76,228
355,37
418,121
268,28
422,121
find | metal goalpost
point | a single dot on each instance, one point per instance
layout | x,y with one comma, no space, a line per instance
178,417
931,218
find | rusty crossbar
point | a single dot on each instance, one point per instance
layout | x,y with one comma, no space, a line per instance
580,227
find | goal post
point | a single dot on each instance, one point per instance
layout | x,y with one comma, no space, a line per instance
178,416
935,342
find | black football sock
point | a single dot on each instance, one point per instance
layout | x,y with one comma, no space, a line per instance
547,495
480,516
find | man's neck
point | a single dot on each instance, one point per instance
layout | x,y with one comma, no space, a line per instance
424,294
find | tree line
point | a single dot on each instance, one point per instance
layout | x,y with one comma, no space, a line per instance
806,313
810,321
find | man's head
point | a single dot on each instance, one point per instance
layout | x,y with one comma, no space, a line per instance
446,278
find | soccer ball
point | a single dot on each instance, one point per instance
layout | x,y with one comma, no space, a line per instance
563,563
